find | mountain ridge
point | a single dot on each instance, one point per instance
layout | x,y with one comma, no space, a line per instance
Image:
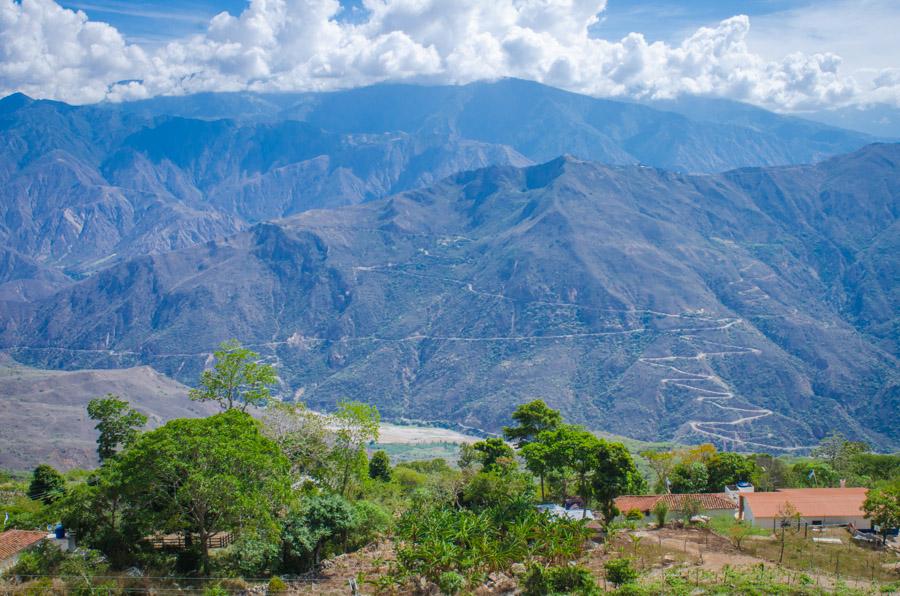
694,307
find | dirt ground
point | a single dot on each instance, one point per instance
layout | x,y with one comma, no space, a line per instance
654,550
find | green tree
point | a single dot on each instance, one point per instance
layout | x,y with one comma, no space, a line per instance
838,452
118,424
355,425
237,379
302,435
537,460
380,466
493,451
321,521
882,506
47,485
726,468
689,477
661,463
573,447
813,474
467,457
203,476
532,418
614,474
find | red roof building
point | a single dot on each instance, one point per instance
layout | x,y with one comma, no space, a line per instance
13,542
710,503
816,506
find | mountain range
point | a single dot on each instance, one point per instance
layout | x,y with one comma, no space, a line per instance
428,250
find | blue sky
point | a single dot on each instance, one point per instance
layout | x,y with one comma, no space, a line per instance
784,55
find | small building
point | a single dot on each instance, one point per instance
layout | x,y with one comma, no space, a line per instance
14,542
734,491
711,504
814,506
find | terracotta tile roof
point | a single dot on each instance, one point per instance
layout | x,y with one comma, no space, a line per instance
14,541
809,502
645,503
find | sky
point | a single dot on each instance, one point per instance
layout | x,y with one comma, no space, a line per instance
785,55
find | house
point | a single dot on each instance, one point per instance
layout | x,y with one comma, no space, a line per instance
14,542
711,504
814,506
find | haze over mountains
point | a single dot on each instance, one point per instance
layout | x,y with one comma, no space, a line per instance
756,307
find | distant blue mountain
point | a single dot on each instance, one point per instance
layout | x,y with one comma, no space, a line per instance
543,122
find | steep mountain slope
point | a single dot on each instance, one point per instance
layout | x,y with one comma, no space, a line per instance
84,187
744,308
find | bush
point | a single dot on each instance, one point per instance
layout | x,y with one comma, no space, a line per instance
43,559
252,556
451,582
634,514
541,581
660,511
380,466
620,571
370,520
276,586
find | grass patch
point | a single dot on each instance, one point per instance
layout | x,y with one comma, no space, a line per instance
841,560
722,525
401,452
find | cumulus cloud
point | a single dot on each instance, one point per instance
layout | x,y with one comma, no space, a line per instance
282,45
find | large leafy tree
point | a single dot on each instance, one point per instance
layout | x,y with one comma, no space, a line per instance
118,424
493,452
689,477
203,476
355,425
838,452
614,474
882,506
47,485
302,436
574,448
237,379
532,418
320,520
728,468
661,462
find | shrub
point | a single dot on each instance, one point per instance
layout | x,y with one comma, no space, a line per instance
276,586
451,582
215,590
369,521
252,556
634,514
575,579
660,512
620,571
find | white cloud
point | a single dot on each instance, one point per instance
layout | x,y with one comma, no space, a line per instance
299,45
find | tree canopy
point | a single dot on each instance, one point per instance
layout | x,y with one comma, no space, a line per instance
237,379
118,424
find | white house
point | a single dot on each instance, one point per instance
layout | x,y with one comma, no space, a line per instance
815,506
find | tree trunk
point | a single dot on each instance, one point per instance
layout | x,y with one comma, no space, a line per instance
542,487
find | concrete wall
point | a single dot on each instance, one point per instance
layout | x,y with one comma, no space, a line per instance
766,522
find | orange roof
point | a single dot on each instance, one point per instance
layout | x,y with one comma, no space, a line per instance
809,502
645,503
14,541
